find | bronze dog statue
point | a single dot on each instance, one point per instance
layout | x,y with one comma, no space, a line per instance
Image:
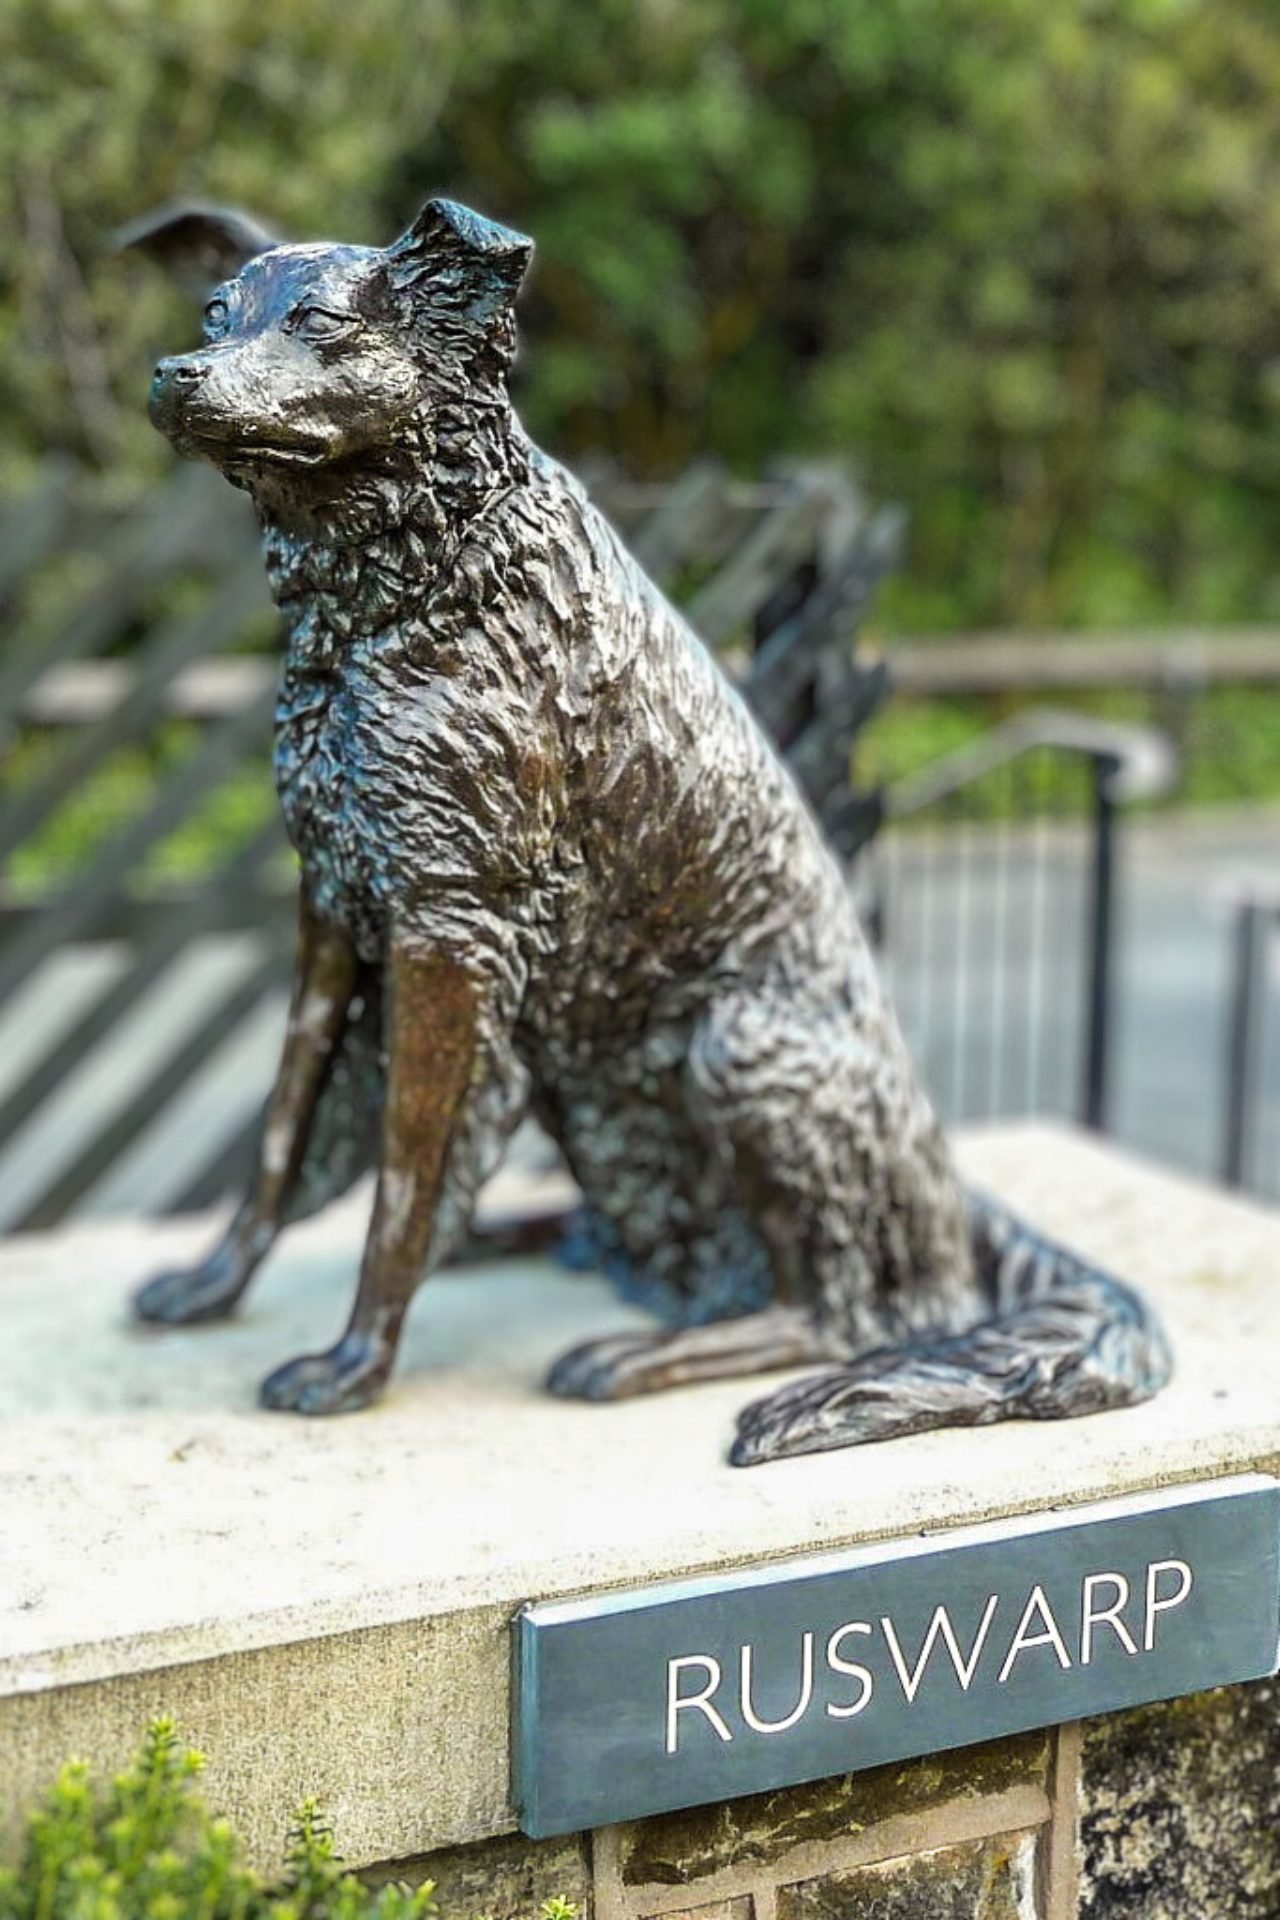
550,863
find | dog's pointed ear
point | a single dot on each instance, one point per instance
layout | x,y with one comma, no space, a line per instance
201,245
461,264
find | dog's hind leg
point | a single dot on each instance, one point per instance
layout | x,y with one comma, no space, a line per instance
624,1364
774,1091
325,977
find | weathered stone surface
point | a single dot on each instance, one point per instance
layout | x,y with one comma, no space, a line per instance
677,1848
979,1880
1181,1809
500,1878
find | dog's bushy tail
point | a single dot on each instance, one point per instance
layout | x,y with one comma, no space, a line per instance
1063,1338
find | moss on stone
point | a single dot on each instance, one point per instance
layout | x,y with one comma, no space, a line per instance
674,1849
499,1878
977,1880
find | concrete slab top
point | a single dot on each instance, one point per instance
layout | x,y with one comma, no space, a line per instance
150,1515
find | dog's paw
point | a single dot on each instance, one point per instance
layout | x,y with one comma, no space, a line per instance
183,1299
610,1369
350,1376
871,1399
813,1415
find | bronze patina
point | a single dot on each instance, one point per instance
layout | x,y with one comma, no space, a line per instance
551,864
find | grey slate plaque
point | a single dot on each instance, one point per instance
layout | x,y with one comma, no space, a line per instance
696,1690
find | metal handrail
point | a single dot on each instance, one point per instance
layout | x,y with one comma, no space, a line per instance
1141,762
1128,763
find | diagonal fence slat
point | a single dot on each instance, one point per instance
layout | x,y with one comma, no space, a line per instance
35,524
819,758
174,527
179,640
133,913
225,1172
786,660
85,691
171,932
77,913
684,523
197,1047
777,543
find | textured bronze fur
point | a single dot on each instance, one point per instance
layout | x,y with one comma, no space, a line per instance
550,862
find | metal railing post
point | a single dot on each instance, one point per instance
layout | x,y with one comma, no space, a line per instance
1241,1052
1098,985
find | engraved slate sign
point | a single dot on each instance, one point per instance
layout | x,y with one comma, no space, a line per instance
695,1690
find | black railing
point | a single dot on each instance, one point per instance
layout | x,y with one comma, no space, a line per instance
1251,1110
992,897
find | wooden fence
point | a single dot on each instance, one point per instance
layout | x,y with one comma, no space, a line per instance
1172,660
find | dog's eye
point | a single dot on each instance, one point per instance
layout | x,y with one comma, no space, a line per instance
317,323
216,315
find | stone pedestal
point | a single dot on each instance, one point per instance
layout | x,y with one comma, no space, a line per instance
326,1607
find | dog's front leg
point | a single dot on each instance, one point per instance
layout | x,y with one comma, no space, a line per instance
436,1013
323,982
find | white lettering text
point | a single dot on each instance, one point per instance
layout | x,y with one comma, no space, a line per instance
1051,1637
940,1627
801,1707
1091,1616
676,1702
853,1668
1155,1604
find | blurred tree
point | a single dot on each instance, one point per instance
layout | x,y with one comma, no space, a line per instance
111,106
1019,261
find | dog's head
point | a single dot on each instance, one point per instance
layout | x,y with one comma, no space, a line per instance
316,357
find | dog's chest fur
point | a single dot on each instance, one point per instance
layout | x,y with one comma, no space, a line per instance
422,721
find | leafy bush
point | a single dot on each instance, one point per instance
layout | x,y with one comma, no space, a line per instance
147,1848
1020,260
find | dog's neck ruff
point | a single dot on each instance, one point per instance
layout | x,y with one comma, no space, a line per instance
351,561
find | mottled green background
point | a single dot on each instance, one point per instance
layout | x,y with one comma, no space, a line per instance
1020,259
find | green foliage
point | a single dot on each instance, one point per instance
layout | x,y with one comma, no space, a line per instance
1020,260
147,1848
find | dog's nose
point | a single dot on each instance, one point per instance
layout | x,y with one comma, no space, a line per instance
185,372
173,386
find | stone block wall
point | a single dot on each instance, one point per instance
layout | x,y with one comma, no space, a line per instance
1169,1812
1180,1809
